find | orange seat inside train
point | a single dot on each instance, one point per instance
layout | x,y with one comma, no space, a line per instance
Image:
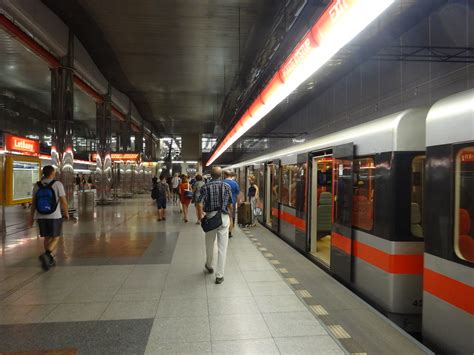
466,241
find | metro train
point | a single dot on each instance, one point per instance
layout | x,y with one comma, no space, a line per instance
387,208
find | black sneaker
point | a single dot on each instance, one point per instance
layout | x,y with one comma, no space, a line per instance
209,269
219,280
52,261
45,262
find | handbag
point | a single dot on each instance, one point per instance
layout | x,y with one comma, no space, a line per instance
188,193
211,223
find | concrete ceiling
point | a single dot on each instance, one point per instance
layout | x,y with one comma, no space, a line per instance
175,59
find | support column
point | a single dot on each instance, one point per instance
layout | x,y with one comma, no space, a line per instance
118,136
149,147
125,129
62,116
140,182
155,153
3,187
139,139
103,174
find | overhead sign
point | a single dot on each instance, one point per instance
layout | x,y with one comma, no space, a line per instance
120,156
21,144
467,156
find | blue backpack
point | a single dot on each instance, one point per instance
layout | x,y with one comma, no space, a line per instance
45,198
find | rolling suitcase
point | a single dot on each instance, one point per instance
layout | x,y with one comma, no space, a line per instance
244,214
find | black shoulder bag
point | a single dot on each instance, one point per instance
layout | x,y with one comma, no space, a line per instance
214,222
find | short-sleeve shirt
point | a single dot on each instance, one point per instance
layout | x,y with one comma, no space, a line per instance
215,196
59,192
234,187
175,181
197,189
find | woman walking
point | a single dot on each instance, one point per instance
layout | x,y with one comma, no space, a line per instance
252,194
197,191
185,196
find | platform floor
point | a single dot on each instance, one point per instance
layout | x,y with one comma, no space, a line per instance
128,284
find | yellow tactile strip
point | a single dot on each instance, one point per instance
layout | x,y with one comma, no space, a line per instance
292,281
303,293
318,310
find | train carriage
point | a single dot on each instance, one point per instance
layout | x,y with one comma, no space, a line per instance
448,287
363,203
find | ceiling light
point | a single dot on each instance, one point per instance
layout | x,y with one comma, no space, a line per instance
337,26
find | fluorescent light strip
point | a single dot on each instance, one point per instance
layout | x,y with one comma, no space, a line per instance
338,25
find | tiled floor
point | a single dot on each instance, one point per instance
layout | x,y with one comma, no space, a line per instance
126,283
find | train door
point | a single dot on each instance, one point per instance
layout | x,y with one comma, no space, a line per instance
267,194
321,207
341,236
248,176
272,195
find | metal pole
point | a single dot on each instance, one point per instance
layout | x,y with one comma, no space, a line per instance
3,226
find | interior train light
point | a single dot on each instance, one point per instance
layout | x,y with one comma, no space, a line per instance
341,22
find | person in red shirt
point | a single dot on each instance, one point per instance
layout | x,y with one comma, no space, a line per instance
185,196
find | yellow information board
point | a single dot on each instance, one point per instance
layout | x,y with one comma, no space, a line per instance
21,173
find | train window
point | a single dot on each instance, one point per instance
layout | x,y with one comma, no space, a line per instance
464,205
417,179
363,193
289,177
300,189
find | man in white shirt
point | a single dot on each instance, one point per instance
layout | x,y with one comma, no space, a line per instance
175,181
48,199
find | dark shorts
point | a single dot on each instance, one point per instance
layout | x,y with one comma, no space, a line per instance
176,190
161,203
50,227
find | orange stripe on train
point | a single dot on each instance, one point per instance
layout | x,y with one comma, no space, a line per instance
452,291
392,263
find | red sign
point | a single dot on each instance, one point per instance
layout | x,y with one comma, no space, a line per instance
21,144
120,156
467,156
299,55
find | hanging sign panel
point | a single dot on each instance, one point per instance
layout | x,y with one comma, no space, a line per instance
21,144
120,156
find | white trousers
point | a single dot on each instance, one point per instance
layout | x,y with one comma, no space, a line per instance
222,234
253,206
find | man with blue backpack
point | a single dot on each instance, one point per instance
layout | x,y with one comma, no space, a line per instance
48,199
